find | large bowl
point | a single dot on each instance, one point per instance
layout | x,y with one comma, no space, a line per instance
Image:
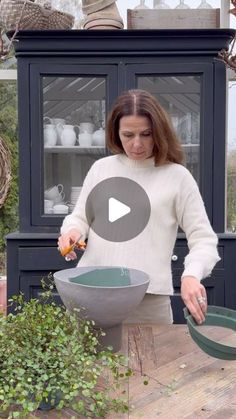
108,306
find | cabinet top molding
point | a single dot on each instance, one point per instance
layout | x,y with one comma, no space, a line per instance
114,42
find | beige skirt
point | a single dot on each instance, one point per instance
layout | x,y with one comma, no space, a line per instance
152,309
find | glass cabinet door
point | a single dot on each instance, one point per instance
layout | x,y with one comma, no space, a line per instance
180,96
74,111
72,127
187,94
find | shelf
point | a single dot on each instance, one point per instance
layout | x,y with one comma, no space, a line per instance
97,150
190,145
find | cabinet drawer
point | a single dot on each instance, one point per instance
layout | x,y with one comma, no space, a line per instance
31,287
215,288
180,252
42,258
177,259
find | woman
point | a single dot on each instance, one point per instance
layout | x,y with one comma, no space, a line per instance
148,152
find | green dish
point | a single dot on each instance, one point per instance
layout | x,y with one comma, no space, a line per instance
108,277
215,316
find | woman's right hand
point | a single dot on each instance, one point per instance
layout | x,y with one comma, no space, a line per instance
66,240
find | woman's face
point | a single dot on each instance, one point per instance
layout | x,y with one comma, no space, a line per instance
136,137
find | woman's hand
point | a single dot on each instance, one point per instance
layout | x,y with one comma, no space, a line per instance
194,296
66,240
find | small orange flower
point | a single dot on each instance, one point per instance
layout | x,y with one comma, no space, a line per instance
79,245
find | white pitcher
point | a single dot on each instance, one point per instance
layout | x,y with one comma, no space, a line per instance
68,135
55,193
56,122
50,135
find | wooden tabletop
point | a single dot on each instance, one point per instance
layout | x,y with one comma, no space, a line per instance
183,381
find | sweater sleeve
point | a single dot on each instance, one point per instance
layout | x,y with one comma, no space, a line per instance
202,241
77,219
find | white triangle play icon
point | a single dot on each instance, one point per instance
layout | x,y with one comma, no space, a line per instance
116,209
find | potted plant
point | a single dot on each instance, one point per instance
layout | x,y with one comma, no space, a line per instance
50,358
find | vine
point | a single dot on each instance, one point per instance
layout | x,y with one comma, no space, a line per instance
229,57
9,219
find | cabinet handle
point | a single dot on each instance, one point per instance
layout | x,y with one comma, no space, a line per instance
174,258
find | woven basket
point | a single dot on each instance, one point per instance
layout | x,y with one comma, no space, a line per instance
25,14
5,171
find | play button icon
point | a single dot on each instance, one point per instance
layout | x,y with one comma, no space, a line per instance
118,209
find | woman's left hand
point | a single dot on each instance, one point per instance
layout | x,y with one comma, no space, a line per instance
194,296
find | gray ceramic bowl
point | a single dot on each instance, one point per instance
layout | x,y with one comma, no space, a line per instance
107,306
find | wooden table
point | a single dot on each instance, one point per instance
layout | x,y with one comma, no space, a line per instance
183,381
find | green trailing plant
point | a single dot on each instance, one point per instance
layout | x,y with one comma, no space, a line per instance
48,355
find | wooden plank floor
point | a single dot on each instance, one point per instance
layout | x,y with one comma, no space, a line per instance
183,381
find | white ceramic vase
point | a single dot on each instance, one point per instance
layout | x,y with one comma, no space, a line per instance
50,135
85,139
99,137
68,135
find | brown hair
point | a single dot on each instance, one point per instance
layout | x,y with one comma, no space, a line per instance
167,147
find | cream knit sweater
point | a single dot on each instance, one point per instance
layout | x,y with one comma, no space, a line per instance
175,201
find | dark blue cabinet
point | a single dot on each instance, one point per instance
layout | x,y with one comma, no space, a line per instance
70,77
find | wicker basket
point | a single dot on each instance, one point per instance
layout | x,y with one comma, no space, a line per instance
25,14
5,171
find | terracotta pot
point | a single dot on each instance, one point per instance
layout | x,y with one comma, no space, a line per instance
3,295
104,17
102,24
91,6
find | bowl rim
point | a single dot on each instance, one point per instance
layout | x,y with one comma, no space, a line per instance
215,316
67,280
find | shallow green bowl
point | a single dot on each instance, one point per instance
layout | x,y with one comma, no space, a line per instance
215,316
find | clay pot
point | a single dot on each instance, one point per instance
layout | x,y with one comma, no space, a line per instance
104,17
3,295
91,6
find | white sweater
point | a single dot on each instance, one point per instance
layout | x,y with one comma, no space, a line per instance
175,201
